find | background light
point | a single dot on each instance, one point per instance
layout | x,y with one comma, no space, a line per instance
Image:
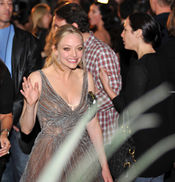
103,1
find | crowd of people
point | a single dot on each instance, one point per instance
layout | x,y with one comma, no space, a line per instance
63,55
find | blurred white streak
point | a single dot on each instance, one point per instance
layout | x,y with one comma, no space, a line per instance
143,122
135,119
53,170
85,166
148,100
149,157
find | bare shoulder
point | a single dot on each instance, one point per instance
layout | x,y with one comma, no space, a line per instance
103,36
35,76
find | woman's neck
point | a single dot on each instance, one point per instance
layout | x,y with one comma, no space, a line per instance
145,49
100,26
62,72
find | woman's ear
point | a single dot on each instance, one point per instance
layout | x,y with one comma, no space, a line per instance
75,25
139,33
54,50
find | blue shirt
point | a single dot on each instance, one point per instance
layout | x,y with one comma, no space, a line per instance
6,42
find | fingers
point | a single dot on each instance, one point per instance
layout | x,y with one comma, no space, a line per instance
15,128
27,86
5,146
4,152
26,83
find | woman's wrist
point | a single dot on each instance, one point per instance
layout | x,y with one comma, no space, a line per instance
5,132
105,165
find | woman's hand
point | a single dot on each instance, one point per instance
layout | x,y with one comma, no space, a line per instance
30,93
5,145
106,174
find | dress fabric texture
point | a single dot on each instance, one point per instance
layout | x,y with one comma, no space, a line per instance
57,120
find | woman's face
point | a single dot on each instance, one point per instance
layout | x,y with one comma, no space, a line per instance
128,36
70,51
94,15
46,20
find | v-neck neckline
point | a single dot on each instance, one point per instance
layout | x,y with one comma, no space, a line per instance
62,99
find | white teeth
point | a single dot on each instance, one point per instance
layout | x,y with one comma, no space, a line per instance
72,60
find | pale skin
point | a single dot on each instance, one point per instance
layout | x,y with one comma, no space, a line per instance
70,54
6,122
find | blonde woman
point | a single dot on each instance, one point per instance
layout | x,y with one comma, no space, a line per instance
59,95
41,19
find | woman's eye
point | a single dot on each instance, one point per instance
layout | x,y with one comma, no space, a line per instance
80,48
66,48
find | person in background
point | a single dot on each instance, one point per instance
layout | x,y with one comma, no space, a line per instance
6,118
166,58
95,19
97,55
41,19
20,52
58,93
141,33
107,29
161,8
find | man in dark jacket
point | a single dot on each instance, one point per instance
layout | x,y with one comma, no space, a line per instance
21,54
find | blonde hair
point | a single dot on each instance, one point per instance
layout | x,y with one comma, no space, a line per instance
55,39
37,12
171,20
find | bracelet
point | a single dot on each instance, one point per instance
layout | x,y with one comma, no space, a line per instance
7,130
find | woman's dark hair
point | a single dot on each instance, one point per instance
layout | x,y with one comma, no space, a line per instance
148,25
107,14
111,23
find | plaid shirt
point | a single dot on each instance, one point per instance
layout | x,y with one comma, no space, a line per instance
100,55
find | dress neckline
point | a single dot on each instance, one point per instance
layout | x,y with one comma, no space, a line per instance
63,100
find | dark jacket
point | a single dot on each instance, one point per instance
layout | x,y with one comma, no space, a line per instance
144,76
26,58
162,20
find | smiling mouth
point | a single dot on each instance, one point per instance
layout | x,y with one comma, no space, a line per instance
73,61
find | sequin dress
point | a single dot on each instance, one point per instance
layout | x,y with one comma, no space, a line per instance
57,120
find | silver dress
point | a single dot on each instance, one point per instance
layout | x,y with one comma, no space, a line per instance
57,120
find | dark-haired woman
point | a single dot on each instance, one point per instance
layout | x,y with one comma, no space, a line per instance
107,26
6,101
141,34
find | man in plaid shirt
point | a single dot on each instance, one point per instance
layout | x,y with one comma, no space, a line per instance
97,55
